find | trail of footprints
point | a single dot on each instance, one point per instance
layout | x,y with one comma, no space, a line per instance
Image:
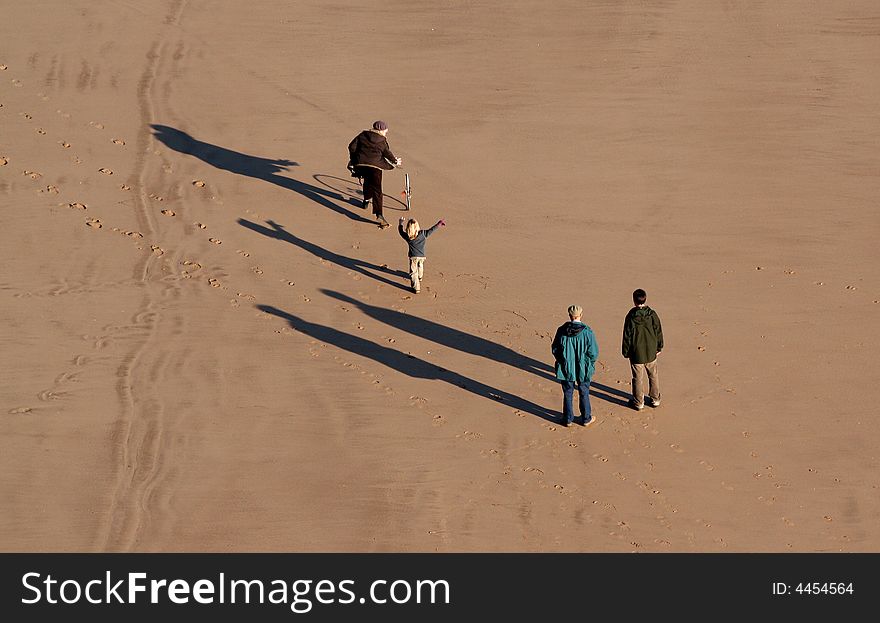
96,222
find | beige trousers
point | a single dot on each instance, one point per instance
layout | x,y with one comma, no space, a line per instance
416,272
639,371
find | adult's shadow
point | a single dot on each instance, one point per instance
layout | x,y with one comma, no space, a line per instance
447,336
471,344
609,394
407,364
279,233
252,166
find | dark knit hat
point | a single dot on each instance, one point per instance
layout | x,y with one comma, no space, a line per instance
380,125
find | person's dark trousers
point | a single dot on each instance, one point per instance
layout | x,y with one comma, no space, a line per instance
372,187
568,388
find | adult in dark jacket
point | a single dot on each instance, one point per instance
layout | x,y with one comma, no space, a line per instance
575,350
642,342
369,155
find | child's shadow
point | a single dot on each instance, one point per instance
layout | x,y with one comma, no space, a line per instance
364,268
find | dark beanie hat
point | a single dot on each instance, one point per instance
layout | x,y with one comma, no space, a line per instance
380,125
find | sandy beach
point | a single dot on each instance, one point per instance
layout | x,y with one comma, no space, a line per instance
208,344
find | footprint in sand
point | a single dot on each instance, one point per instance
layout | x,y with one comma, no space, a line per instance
77,206
32,174
290,283
156,197
199,183
134,234
25,115
105,171
40,131
4,161
4,67
51,189
200,225
99,126
16,82
157,250
257,270
124,187
76,160
118,141
214,283
64,144
94,223
243,253
168,212
20,410
215,241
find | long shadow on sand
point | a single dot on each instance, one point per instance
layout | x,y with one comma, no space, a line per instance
407,364
279,233
471,344
251,166
449,337
609,394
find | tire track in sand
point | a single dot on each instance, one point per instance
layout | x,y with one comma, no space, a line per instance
138,432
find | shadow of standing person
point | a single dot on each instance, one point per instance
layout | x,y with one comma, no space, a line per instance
447,336
407,364
279,233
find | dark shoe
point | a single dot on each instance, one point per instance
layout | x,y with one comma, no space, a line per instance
632,405
651,402
586,423
564,423
382,222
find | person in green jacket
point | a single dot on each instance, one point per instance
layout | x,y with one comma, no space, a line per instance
575,350
642,342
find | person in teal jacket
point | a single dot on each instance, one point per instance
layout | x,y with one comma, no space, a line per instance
575,350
